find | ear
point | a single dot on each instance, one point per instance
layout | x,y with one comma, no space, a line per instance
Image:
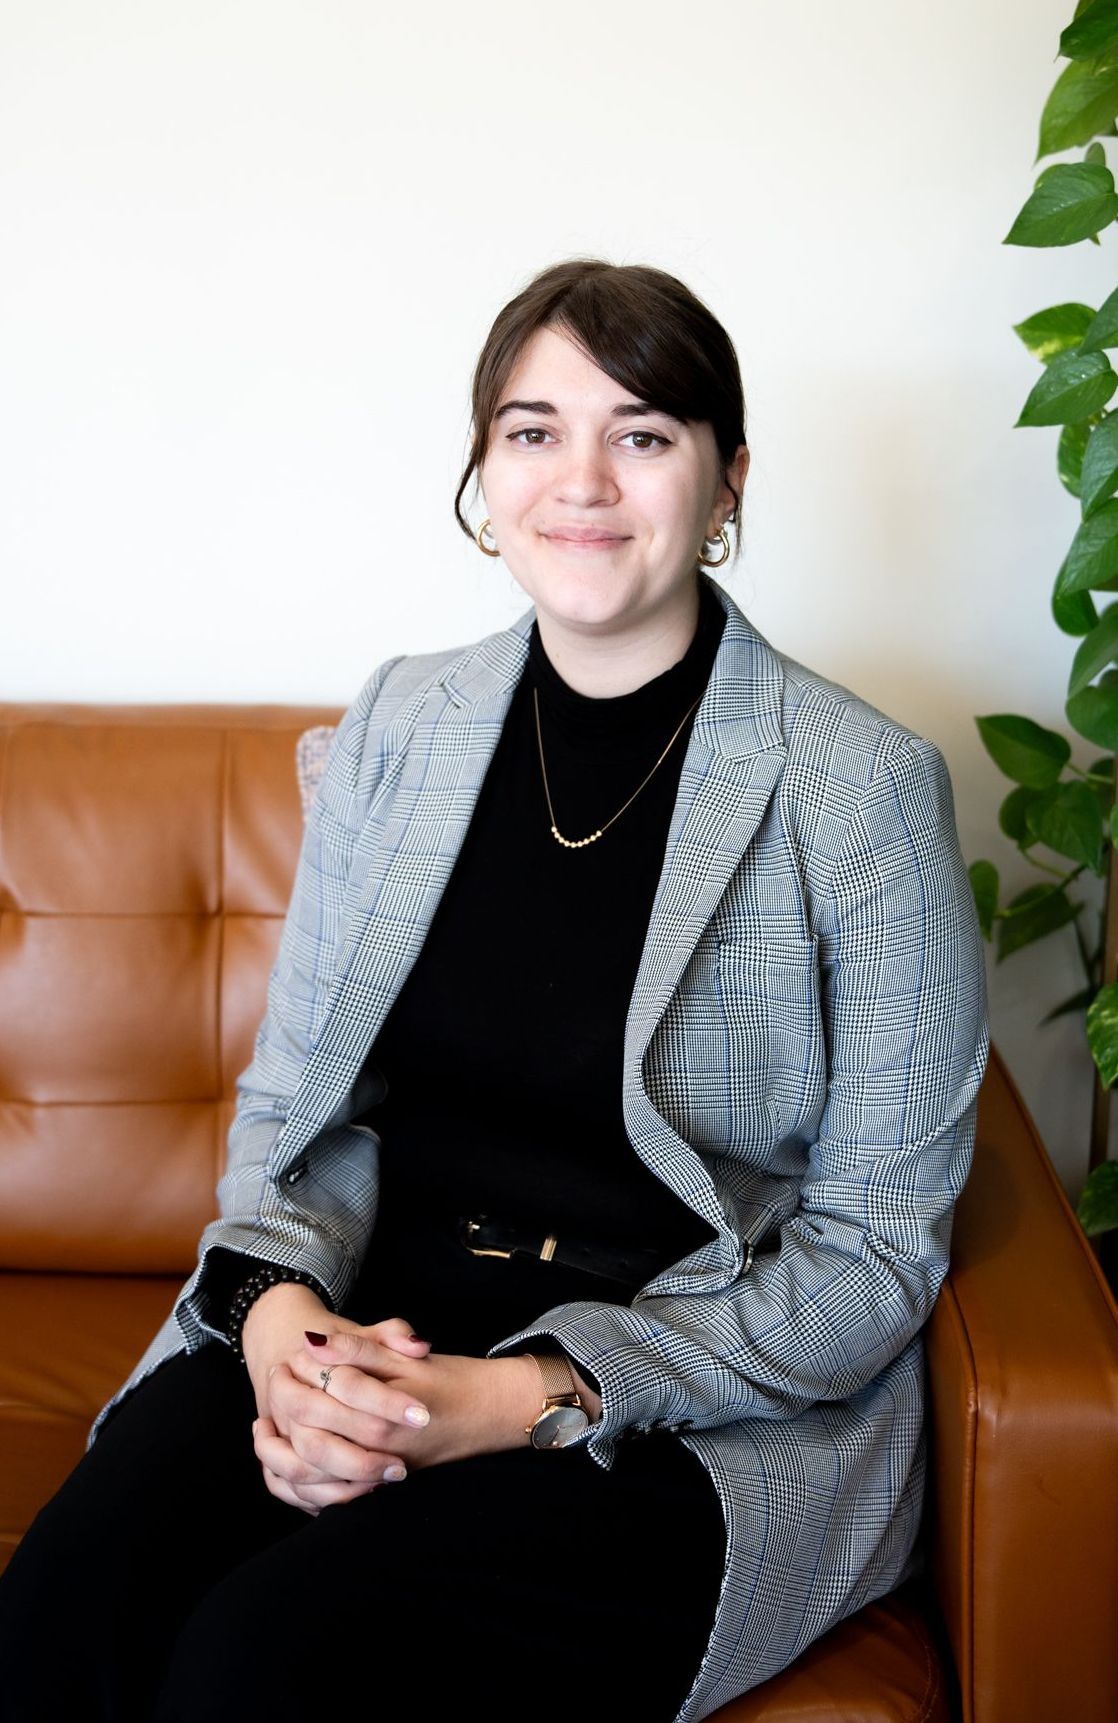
739,466
726,501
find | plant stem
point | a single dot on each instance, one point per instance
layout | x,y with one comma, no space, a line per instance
1088,963
1046,867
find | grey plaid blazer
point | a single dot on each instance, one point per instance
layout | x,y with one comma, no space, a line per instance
803,1051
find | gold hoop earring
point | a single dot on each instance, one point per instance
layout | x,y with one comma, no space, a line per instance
477,538
704,562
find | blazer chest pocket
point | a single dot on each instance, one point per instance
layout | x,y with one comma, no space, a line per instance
773,1022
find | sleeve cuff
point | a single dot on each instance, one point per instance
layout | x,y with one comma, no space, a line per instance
203,1306
599,1438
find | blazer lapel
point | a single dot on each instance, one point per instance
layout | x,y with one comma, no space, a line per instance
734,757
434,784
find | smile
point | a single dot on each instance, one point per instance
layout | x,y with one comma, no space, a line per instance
600,541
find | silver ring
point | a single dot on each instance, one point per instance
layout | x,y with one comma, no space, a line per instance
325,1377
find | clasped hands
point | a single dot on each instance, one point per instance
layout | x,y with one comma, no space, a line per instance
318,1447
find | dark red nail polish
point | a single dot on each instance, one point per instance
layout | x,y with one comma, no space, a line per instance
423,1341
315,1339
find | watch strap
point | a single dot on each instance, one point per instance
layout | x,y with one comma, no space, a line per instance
557,1376
559,1387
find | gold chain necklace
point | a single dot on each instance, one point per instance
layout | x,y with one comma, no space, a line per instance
578,843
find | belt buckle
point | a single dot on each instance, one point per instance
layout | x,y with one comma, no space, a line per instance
545,1252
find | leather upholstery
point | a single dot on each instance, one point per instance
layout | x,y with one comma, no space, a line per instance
146,859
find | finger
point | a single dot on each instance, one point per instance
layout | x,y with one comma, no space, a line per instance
309,1484
397,1333
308,1457
353,1404
282,1490
299,1398
326,1494
275,1453
312,1496
336,1457
277,1484
374,1360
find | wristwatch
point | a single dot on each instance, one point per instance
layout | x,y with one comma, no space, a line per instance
563,1417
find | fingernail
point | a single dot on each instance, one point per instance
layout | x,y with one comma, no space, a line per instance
255,1422
417,1415
395,1473
422,1340
315,1339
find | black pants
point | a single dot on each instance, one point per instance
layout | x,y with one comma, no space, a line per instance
164,1582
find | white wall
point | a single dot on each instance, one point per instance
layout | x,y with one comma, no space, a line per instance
252,249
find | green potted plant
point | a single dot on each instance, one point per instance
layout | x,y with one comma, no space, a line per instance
1055,804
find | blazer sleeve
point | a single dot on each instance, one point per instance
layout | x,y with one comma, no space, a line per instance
254,1217
861,1260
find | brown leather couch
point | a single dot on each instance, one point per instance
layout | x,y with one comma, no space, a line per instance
146,859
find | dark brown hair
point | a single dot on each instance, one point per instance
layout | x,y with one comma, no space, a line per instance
639,325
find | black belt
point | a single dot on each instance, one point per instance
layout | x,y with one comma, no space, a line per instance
485,1237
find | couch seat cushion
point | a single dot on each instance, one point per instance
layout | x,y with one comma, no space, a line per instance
70,1340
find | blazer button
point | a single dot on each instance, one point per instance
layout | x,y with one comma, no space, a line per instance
296,1173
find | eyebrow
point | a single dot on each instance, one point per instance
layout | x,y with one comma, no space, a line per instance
624,410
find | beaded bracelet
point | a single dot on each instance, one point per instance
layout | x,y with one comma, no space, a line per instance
271,1274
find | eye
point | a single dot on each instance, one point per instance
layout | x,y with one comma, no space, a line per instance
655,437
534,431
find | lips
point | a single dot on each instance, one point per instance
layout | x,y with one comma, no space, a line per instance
584,535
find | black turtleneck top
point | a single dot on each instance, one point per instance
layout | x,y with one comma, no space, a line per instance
502,1052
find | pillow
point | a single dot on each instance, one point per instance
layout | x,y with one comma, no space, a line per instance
310,761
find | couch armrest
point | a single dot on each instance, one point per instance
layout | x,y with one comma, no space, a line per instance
1022,1350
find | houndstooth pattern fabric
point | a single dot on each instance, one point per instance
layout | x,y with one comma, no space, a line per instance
803,1052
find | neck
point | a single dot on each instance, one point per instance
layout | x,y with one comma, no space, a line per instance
606,664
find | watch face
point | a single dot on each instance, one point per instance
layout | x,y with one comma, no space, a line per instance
559,1427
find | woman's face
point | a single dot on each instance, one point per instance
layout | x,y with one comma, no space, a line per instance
598,507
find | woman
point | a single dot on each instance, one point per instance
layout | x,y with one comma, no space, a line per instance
596,1162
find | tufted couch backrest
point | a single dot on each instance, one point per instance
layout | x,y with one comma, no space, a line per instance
146,859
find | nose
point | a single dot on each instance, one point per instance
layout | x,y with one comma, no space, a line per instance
586,476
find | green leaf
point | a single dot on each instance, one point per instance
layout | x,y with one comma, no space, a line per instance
1094,712
1066,818
1074,612
1114,823
1032,915
1012,816
1102,331
1078,1002
1097,1208
1070,201
984,885
1102,771
1092,559
1102,1032
1023,750
1082,101
1071,388
1096,651
1070,451
1099,472
1093,32
1054,330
